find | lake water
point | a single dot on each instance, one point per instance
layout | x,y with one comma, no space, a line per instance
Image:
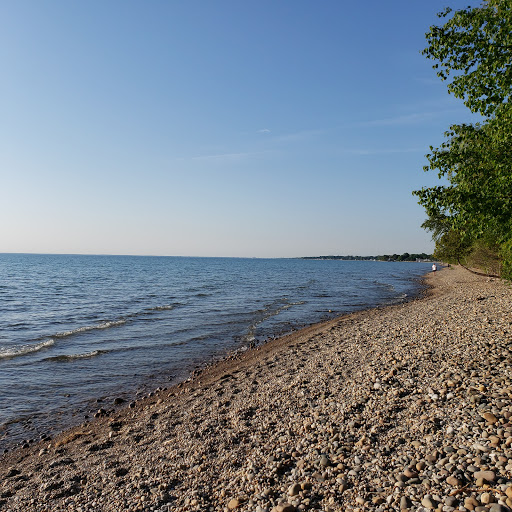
75,329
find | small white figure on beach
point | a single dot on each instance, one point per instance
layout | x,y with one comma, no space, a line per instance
434,267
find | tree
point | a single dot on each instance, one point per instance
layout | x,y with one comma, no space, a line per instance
474,48
474,209
476,161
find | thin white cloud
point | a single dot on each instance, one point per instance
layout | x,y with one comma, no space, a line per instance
297,136
430,111
264,130
402,120
391,151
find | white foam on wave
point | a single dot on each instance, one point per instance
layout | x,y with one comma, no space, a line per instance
163,308
79,330
72,357
21,350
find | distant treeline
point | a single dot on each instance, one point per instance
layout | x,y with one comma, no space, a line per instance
384,257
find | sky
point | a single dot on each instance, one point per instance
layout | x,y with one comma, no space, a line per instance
268,128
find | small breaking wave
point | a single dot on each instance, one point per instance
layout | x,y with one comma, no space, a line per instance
79,330
270,311
166,307
116,323
22,350
74,357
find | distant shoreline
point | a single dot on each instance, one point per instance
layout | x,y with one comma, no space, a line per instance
406,257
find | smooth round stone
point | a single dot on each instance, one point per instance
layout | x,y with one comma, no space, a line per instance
451,501
234,503
428,503
496,507
294,489
409,473
454,481
486,498
470,503
284,507
490,418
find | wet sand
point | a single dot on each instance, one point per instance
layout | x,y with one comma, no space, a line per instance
404,407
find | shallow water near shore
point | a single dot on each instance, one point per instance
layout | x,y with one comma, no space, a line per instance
76,329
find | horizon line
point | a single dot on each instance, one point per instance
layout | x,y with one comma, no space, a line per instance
192,256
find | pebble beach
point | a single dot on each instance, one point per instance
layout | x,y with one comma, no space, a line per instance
407,407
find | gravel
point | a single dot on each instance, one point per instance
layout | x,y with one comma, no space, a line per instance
401,408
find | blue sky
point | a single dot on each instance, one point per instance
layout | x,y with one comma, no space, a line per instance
218,128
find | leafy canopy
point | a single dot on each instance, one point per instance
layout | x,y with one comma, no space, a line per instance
473,209
474,49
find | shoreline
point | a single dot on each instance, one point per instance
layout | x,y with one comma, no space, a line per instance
43,424
389,408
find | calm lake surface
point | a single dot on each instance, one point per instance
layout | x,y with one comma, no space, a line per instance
75,329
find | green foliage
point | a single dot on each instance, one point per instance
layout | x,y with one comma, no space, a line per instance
485,256
473,48
506,257
476,162
451,248
470,216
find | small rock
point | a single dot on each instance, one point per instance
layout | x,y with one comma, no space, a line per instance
490,418
470,503
496,507
428,502
488,476
432,457
451,501
324,461
284,507
234,503
409,473
404,503
294,489
318,476
486,498
454,481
